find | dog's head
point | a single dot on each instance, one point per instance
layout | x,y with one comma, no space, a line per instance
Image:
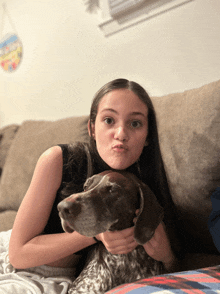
109,202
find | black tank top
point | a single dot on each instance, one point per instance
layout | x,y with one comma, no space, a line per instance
79,163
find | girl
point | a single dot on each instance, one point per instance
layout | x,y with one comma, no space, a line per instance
123,136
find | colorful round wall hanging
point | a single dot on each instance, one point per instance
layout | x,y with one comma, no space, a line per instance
10,52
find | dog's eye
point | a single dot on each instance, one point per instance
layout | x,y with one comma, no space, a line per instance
113,188
85,187
87,184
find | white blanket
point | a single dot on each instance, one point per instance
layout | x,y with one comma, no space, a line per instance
13,281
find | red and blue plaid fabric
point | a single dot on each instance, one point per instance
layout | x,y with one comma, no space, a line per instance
206,280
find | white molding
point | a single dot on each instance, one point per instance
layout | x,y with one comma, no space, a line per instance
110,25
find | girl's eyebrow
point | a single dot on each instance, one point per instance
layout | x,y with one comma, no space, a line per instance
138,113
109,109
132,113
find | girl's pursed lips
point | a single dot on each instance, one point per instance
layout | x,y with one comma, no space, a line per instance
120,147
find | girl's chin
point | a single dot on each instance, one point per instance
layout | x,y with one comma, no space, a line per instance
119,166
119,161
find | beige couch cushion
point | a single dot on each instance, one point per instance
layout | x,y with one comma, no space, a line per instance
189,132
32,139
7,219
7,135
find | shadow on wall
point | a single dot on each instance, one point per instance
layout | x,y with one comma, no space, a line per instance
92,5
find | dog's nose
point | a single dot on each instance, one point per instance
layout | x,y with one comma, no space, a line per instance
68,208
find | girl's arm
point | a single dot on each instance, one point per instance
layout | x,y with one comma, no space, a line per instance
28,247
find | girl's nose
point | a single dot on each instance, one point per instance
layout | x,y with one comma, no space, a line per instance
121,134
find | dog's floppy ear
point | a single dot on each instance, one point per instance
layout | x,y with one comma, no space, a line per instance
149,217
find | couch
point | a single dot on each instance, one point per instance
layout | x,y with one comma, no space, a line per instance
189,133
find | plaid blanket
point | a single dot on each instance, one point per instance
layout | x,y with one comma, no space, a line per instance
206,280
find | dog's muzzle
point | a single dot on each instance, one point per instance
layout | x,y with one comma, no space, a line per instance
86,213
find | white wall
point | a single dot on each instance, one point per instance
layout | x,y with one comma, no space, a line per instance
67,58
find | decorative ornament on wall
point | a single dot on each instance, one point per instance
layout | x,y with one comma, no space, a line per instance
10,46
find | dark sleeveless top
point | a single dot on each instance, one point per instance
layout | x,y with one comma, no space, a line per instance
79,163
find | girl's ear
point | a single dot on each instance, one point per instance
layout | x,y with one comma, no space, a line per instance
91,129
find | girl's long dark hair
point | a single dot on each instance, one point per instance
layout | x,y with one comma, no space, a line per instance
149,168
150,163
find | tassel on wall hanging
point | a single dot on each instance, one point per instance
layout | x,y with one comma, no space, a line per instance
10,45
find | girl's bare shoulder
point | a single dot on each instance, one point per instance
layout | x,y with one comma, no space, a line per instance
53,153
49,167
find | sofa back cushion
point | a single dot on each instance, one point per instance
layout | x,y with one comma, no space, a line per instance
32,139
189,133
7,135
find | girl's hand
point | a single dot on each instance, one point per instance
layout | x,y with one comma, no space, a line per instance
158,247
118,242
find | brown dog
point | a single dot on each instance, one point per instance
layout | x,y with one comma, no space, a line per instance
109,202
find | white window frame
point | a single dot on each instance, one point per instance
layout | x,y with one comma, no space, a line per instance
110,25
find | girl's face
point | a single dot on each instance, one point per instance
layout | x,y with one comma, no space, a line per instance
120,128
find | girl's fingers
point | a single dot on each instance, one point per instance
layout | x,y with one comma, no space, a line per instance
123,249
119,242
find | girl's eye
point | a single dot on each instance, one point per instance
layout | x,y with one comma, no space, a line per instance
108,120
136,124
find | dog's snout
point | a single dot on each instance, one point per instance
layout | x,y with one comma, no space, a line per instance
67,208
